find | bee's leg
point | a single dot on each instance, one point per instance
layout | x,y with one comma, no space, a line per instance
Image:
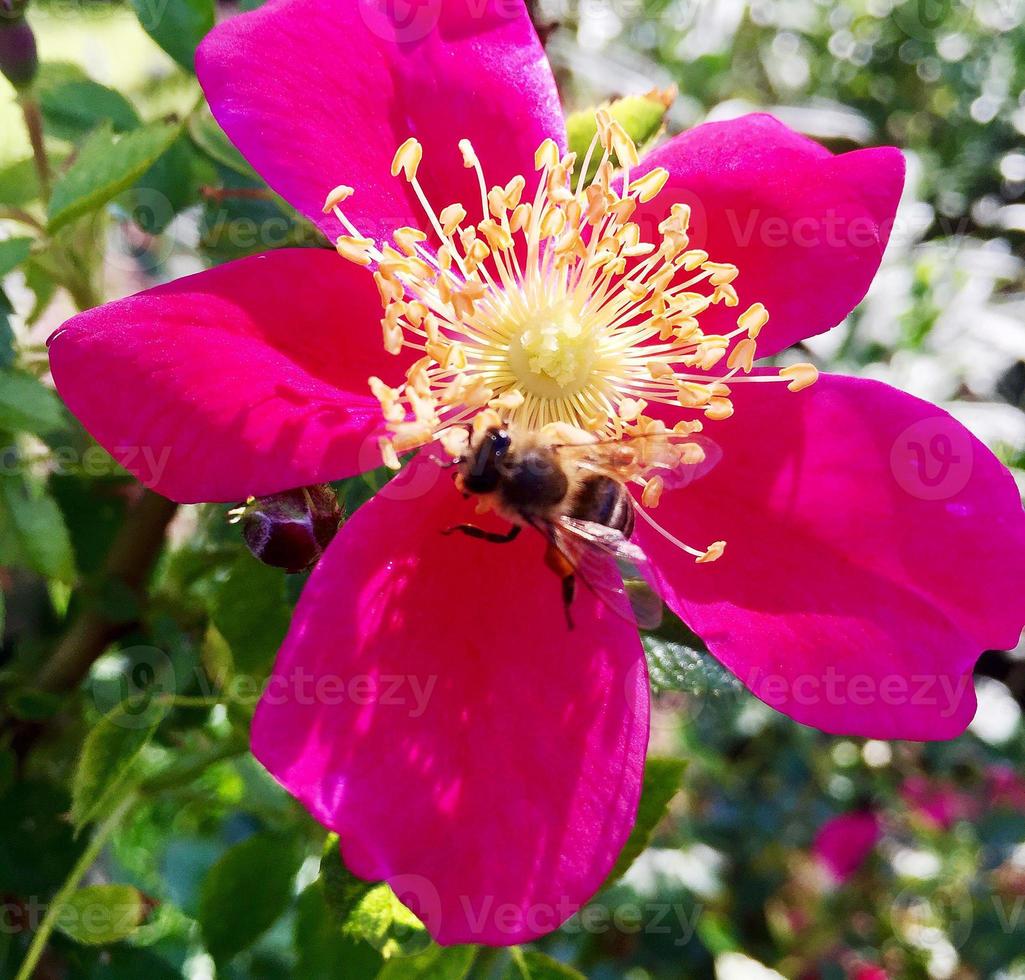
471,530
562,567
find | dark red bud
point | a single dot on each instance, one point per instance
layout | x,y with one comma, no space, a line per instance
18,60
291,530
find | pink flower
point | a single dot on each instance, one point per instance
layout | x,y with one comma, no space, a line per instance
938,803
845,841
471,750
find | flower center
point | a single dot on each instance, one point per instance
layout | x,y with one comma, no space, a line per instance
554,354
554,309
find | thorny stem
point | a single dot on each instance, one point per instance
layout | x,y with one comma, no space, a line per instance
34,125
130,559
82,865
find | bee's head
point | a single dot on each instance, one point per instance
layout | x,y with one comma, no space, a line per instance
480,465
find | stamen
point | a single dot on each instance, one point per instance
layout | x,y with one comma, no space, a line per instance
555,311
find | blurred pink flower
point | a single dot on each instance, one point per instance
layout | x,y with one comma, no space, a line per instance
844,842
475,754
938,802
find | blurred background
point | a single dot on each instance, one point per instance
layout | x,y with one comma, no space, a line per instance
136,633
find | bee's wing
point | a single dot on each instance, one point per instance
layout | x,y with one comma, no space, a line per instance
666,463
611,566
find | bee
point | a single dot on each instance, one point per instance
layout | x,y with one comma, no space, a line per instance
576,496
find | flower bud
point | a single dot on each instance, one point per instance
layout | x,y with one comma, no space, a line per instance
291,530
18,60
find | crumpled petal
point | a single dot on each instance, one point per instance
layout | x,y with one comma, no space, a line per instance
430,705
317,93
874,549
249,378
806,229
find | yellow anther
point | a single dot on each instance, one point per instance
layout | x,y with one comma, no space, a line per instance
520,218
690,260
648,186
722,273
742,355
408,238
451,218
753,319
407,159
508,401
355,249
469,154
454,441
341,193
712,553
625,148
725,294
801,375
652,492
498,237
659,369
693,395
719,409
630,408
552,223
388,455
547,155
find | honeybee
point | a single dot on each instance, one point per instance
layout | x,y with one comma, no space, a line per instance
576,496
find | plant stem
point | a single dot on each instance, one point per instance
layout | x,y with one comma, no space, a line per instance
130,559
82,865
34,125
176,775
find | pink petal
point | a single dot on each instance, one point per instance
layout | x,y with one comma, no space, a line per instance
249,378
317,93
844,842
430,705
805,228
938,803
874,549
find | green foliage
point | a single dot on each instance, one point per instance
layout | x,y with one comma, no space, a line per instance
176,25
533,965
26,405
108,767
244,893
99,915
640,116
106,165
32,529
661,783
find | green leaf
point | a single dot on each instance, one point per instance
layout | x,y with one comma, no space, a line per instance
529,964
106,165
250,612
176,25
384,922
245,892
322,951
678,660
7,353
31,704
640,115
13,251
661,783
27,405
107,767
342,889
19,183
166,189
98,915
31,521
436,963
74,107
